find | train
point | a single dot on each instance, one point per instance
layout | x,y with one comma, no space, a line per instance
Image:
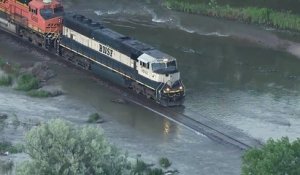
90,45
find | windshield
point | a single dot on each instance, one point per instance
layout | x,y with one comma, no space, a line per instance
171,64
59,10
158,66
46,13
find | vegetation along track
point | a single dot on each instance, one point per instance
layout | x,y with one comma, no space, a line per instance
214,129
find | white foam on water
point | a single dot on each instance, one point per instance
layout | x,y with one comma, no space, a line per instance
294,48
109,12
113,12
160,20
185,29
216,34
269,29
99,12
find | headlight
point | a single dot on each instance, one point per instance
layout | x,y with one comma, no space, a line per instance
168,89
180,87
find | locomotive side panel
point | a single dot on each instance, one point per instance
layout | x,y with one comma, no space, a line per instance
6,25
148,71
98,46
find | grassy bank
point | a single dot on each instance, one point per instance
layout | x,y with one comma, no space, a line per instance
258,15
11,75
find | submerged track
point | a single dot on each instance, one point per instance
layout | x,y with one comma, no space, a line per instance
209,127
213,129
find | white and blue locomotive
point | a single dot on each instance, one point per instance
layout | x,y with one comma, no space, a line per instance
121,59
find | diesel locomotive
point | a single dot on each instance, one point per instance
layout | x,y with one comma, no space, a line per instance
88,44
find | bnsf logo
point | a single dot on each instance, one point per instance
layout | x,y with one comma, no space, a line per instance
105,50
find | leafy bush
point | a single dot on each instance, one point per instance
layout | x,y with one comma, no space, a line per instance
93,118
27,82
57,147
275,157
8,147
164,162
39,93
2,63
5,80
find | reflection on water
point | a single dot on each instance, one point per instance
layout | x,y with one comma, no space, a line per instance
251,87
166,126
230,78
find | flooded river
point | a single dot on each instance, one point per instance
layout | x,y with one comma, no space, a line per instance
245,76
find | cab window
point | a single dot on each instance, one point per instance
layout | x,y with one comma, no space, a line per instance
145,65
171,64
33,10
22,1
158,66
46,13
58,10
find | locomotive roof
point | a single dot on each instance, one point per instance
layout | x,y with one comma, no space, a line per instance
41,4
128,46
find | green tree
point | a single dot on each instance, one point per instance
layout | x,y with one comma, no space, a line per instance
58,148
280,157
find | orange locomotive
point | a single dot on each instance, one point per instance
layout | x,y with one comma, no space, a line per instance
39,21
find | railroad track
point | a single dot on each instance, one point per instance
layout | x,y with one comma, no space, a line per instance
213,129
209,131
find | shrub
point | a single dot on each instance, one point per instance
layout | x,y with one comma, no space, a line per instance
275,157
94,118
164,162
57,147
2,63
60,148
27,82
9,147
5,80
39,93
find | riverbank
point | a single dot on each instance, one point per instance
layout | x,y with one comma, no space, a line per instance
257,15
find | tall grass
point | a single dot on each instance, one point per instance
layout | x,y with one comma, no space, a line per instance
27,82
2,63
5,80
266,16
39,93
6,146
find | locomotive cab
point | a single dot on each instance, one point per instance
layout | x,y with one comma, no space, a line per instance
172,90
162,69
46,16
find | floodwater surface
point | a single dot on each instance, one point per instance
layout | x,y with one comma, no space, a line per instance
245,76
